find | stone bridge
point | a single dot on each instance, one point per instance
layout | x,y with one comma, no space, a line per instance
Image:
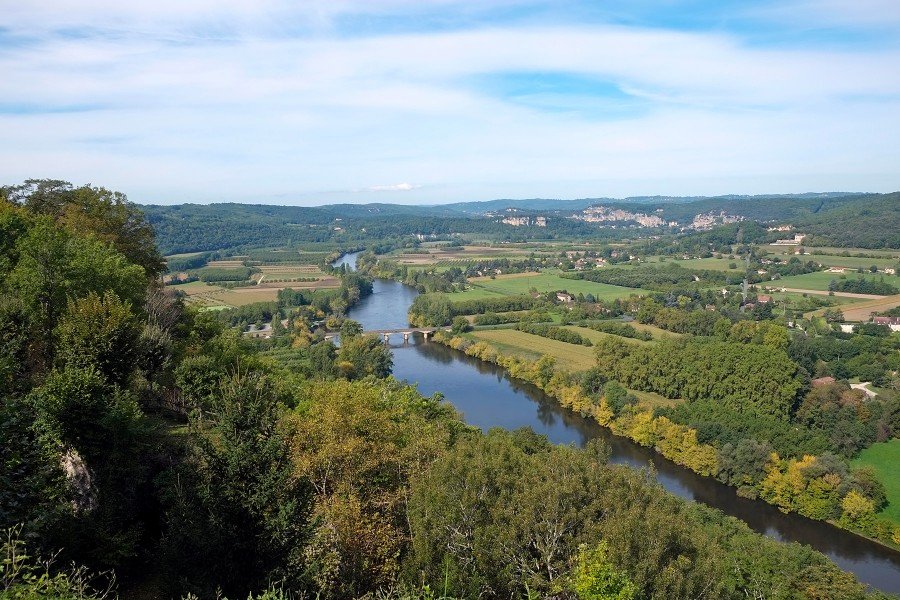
405,331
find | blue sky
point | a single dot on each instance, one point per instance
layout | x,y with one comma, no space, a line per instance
416,101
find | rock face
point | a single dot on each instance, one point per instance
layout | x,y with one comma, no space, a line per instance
81,482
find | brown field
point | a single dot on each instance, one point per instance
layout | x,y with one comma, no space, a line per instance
467,253
207,295
488,279
322,282
225,264
861,311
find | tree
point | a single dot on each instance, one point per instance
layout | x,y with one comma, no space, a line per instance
100,332
96,211
237,516
350,329
595,578
364,355
322,358
460,325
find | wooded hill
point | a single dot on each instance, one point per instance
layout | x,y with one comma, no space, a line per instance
846,220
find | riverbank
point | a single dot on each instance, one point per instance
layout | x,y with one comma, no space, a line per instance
675,442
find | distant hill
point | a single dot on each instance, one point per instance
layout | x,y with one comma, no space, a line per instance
834,219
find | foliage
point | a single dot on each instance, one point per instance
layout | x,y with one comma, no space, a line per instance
596,579
746,379
105,215
620,329
364,355
360,444
237,501
100,332
866,286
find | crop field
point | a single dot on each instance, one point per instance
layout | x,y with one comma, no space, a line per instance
812,252
462,255
884,457
709,264
861,311
852,262
653,400
225,264
596,336
820,280
525,345
214,296
517,284
288,272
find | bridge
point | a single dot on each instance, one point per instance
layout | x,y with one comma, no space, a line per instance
406,331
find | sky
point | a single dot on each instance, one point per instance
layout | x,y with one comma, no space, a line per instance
428,101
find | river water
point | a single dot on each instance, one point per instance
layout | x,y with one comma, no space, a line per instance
488,398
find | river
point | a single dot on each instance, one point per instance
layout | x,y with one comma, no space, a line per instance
488,398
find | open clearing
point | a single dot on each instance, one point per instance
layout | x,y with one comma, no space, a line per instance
861,311
460,256
820,280
521,283
884,457
709,264
214,296
570,357
596,336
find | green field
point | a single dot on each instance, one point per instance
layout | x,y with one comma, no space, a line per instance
710,264
570,357
820,280
596,336
543,282
854,262
884,457
818,251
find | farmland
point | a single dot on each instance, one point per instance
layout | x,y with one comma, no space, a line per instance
544,282
862,311
528,346
262,285
820,280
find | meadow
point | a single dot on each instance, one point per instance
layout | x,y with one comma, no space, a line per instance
547,281
884,457
820,280
570,357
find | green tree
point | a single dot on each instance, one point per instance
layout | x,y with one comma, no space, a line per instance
460,325
595,577
237,516
364,355
100,332
350,329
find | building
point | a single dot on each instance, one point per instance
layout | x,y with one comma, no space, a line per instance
763,299
892,322
567,298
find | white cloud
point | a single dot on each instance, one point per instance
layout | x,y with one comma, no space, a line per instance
399,187
264,116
